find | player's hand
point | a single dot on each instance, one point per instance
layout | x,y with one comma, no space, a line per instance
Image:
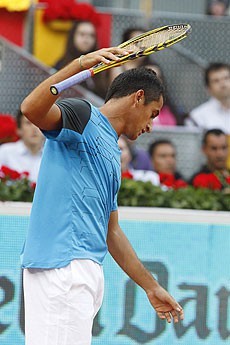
105,55
165,305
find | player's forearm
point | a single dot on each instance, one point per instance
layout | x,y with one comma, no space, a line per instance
38,103
123,253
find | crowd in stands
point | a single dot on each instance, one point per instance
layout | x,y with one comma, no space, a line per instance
24,154
214,113
158,165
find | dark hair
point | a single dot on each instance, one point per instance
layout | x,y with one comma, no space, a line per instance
133,80
213,67
214,131
71,52
153,146
128,33
19,116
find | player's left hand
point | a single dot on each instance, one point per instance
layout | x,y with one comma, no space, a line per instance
105,55
165,305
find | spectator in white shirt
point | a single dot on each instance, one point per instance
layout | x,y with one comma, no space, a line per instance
215,113
24,154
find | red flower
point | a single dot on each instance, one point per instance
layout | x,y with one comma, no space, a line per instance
70,10
180,184
228,179
127,174
33,185
169,180
207,181
8,173
8,129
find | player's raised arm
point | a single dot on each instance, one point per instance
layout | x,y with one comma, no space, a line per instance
123,253
39,105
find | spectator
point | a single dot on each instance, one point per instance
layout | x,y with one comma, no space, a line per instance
140,159
169,115
127,35
214,113
126,168
214,174
25,154
163,156
82,39
218,8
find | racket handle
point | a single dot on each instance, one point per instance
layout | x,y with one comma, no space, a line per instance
73,80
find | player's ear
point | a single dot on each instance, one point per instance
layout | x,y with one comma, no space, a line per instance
139,96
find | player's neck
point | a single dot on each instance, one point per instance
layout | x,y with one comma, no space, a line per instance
116,113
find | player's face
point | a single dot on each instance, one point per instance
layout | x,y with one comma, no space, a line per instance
30,134
219,84
85,37
164,159
216,151
142,118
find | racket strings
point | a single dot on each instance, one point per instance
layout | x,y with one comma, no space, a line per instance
154,39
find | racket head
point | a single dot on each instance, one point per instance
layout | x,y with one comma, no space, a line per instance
149,43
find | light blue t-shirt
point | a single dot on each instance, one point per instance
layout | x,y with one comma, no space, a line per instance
76,190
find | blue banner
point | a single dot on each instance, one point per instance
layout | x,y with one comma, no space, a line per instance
190,260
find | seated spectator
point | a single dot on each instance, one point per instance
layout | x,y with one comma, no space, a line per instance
24,154
169,114
214,113
143,61
126,169
163,156
140,159
214,174
218,8
82,39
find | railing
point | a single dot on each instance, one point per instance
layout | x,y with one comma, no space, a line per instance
20,73
179,6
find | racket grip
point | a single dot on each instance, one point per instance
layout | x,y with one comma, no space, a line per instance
55,89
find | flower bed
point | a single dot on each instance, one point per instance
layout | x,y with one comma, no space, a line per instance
137,193
15,186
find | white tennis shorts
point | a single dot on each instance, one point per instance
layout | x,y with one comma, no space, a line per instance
60,303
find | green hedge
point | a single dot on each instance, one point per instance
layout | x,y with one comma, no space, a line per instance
16,190
137,193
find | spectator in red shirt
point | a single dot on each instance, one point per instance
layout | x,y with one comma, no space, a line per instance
214,174
163,156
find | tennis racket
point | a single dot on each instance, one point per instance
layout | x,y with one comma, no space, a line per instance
141,45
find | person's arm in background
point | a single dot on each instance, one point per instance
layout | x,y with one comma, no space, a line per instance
123,253
39,105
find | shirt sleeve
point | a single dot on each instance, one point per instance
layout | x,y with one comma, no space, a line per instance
75,116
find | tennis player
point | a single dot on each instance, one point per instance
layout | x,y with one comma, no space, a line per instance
74,217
